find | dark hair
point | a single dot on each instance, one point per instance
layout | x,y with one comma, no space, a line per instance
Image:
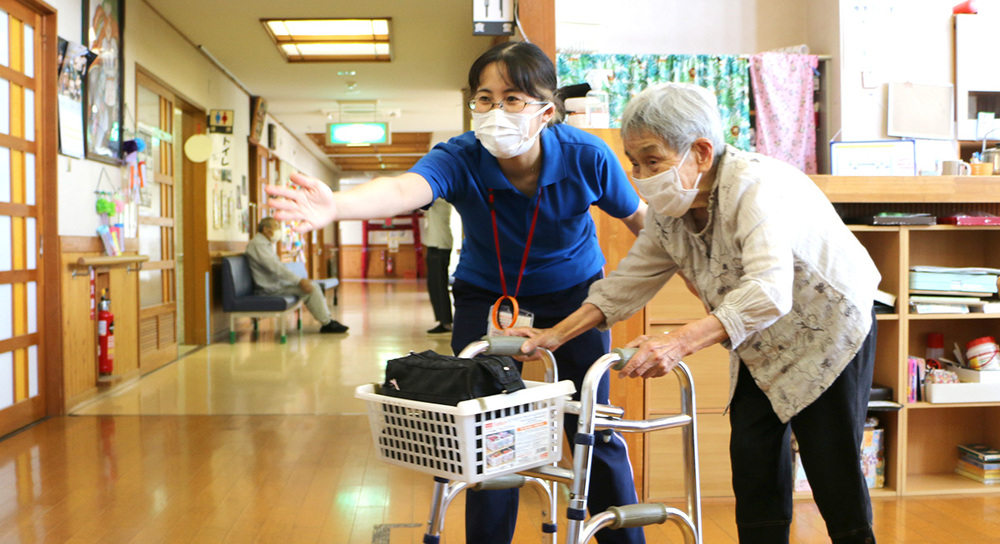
528,69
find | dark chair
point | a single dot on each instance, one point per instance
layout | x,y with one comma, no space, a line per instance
326,283
239,300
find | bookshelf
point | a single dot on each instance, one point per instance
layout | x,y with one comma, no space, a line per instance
920,439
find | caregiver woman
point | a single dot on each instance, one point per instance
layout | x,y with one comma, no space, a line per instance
789,291
524,187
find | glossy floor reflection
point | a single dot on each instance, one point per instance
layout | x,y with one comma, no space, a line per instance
312,374
260,443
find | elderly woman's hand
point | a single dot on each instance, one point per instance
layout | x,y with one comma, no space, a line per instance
536,338
657,356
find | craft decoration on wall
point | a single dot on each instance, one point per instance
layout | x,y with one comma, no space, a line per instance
104,90
73,61
726,75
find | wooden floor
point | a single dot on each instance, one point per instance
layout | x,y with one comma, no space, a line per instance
264,443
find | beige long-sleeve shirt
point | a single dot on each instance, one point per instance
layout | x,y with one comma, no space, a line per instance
269,273
775,264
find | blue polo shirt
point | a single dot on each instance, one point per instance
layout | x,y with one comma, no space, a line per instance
578,170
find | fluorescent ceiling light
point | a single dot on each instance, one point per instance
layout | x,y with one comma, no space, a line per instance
331,40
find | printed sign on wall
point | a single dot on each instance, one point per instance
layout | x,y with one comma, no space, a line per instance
492,17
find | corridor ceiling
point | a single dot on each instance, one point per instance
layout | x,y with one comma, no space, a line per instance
419,91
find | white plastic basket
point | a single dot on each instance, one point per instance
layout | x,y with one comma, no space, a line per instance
475,440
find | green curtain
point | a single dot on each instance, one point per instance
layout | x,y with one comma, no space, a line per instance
727,75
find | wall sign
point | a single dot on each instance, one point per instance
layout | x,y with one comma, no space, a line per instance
493,17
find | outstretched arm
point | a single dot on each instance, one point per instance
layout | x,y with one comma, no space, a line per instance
583,319
315,205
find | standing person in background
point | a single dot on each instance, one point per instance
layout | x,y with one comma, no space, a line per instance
524,186
438,241
789,291
271,276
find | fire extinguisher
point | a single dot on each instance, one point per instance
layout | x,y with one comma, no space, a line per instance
105,336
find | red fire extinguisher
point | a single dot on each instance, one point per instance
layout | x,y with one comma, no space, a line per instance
105,336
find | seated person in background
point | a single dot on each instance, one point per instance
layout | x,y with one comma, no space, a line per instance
274,278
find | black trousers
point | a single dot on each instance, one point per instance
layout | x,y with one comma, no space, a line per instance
438,260
829,433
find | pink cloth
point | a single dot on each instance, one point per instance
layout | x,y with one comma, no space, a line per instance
786,117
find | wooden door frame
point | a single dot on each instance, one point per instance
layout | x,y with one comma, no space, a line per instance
197,261
49,402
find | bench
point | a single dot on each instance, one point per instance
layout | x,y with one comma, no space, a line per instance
239,299
326,283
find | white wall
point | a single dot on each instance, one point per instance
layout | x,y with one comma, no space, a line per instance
891,40
158,48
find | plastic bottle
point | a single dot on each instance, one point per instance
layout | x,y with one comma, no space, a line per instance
981,354
935,346
598,102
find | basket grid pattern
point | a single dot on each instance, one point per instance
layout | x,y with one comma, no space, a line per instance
421,437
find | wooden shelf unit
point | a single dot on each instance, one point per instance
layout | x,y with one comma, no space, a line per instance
921,438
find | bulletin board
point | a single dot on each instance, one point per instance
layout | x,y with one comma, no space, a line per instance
874,158
921,111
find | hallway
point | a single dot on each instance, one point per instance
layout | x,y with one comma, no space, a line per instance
262,443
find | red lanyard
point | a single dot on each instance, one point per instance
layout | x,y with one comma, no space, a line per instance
494,312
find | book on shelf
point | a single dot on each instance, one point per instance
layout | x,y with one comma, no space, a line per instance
986,307
975,466
982,452
946,299
978,478
923,308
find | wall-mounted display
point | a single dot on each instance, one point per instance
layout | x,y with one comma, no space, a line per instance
104,90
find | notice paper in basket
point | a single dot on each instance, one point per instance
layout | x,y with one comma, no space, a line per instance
476,439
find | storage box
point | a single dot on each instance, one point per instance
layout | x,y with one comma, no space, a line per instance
873,457
872,462
967,375
945,393
474,440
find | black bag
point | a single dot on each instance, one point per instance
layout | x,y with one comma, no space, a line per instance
445,379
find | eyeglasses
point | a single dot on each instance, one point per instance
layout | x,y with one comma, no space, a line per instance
511,104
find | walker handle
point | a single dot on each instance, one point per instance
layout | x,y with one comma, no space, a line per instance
504,345
625,354
638,515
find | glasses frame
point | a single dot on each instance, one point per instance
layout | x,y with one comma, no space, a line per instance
494,105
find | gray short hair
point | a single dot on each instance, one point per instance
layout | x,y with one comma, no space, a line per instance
678,113
267,222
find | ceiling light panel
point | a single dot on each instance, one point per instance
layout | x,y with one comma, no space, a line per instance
331,40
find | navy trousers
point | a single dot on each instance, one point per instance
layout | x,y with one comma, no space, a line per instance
438,259
829,433
490,516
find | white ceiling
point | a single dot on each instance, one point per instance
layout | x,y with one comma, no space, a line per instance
432,42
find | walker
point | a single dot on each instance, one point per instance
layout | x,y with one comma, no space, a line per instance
456,443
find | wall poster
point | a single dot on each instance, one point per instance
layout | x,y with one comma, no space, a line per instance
104,92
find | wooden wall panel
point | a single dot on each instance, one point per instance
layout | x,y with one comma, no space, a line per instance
350,262
666,466
124,304
79,338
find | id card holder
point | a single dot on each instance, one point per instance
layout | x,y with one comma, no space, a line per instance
524,319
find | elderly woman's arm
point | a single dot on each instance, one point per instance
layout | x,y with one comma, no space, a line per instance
658,355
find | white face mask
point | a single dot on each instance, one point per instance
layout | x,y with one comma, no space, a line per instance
665,193
506,135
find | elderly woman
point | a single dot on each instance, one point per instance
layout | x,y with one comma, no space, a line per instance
789,292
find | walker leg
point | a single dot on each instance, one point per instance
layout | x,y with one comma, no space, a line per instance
232,330
436,521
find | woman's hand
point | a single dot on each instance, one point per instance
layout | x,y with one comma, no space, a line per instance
310,207
656,357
